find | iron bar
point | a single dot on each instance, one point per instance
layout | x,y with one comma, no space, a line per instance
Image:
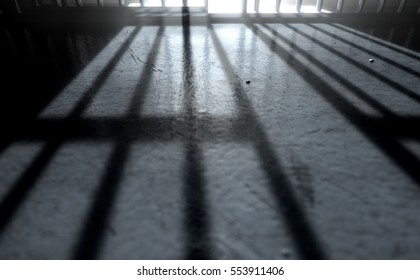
35,3
340,5
381,6
278,2
401,6
319,5
298,5
360,6
18,10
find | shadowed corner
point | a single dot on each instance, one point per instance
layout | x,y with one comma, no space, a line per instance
46,60
301,231
198,244
22,188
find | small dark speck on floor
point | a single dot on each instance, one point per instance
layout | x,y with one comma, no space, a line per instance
248,82
285,253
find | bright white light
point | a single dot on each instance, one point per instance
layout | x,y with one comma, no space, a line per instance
167,3
153,3
265,6
224,6
233,6
196,3
308,9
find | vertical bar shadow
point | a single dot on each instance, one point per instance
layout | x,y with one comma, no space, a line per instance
342,80
356,46
376,41
378,135
299,227
198,244
21,189
103,76
408,92
92,234
44,64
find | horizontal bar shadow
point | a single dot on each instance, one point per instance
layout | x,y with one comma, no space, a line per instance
403,158
300,229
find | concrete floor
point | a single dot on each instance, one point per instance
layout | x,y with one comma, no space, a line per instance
219,141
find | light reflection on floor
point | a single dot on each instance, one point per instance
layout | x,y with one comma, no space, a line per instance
233,6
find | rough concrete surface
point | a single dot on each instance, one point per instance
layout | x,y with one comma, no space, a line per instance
147,142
